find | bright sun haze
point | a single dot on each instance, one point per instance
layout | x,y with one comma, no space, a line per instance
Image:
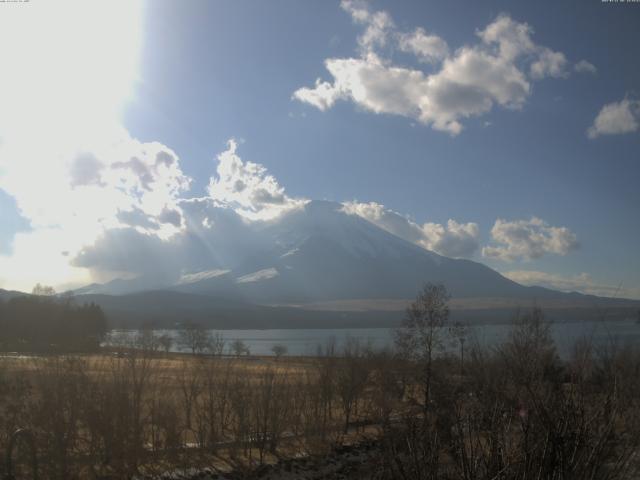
69,68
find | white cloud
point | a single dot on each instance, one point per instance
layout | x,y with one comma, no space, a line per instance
59,110
512,38
616,118
248,188
378,25
88,187
137,218
454,239
428,48
211,233
116,206
322,96
71,167
583,66
466,83
76,198
582,283
211,237
528,240
549,64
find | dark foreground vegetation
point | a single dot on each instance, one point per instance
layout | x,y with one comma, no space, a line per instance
46,323
512,412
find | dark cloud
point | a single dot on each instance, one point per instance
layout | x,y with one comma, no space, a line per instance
262,196
165,158
140,169
127,250
212,237
171,216
86,170
137,218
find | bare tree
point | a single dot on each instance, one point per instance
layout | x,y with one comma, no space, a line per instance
166,342
421,332
323,388
269,408
458,332
279,350
214,405
238,348
217,343
529,351
387,389
43,290
351,378
146,340
190,385
194,337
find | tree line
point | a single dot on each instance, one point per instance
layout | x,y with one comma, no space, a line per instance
47,323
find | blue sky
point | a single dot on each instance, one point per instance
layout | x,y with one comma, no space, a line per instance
211,71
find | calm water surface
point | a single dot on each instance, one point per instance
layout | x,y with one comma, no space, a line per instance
306,341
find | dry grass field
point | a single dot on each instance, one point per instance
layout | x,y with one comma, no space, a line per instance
513,412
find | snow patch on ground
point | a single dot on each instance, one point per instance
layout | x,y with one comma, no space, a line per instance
205,275
293,251
264,274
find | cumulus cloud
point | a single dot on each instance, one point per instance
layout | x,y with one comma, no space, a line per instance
428,48
616,118
118,207
60,132
583,283
212,237
92,186
453,239
457,240
378,25
549,64
247,187
130,252
218,231
64,156
137,218
468,82
528,240
130,201
322,96
583,66
170,216
76,186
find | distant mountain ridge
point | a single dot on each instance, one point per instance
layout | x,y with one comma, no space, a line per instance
319,265
320,253
9,294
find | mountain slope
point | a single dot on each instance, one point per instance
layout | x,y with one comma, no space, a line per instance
9,294
320,253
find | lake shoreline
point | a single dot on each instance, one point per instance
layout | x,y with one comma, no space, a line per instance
305,342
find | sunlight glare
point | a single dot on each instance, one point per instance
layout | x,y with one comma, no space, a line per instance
69,68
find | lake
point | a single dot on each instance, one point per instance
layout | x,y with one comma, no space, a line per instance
306,341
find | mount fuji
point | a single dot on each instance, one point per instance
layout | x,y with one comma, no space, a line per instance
319,258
